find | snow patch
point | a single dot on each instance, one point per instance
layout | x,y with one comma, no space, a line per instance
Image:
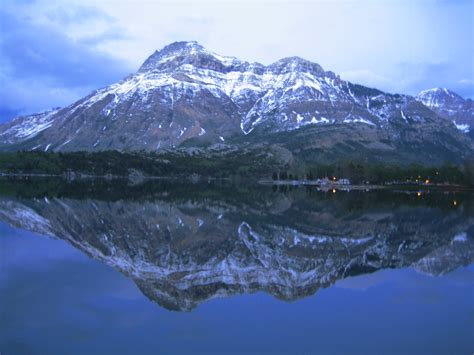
314,120
463,127
358,120
403,116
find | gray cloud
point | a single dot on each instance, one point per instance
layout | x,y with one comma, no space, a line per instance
37,51
42,67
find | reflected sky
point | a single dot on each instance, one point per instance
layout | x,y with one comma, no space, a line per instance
56,300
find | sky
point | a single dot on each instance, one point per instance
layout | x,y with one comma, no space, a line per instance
55,52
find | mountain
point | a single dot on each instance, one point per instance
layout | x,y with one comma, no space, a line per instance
185,94
25,127
451,106
184,245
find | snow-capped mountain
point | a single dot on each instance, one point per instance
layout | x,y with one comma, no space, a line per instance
451,106
185,92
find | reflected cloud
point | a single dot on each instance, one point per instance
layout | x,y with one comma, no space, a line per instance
364,282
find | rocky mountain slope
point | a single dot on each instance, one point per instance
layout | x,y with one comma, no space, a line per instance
451,106
185,93
182,251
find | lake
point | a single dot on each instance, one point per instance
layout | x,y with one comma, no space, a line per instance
216,267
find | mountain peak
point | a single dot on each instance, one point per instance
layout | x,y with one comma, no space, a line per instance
440,92
449,105
181,46
293,60
185,52
297,64
439,97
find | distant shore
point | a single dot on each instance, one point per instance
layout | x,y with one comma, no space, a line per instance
343,187
138,178
322,186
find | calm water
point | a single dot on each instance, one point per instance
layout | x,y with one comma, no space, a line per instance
218,268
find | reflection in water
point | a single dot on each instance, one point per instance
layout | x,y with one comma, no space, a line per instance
183,244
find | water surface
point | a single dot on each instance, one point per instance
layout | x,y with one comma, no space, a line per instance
161,267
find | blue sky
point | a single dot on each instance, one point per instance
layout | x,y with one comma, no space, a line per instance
54,52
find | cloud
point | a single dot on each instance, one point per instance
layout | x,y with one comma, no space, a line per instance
34,51
76,14
42,67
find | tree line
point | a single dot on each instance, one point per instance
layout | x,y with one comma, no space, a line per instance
245,164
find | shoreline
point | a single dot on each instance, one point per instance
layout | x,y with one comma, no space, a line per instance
294,183
346,187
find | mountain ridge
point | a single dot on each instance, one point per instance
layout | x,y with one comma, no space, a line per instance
184,92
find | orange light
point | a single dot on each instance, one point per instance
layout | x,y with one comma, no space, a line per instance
418,194
427,181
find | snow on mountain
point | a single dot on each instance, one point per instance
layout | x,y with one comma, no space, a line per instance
184,68
465,128
438,97
26,127
184,91
451,106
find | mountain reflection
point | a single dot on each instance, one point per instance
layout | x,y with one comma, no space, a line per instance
183,244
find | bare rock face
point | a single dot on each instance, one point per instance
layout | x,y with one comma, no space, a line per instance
182,251
185,92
